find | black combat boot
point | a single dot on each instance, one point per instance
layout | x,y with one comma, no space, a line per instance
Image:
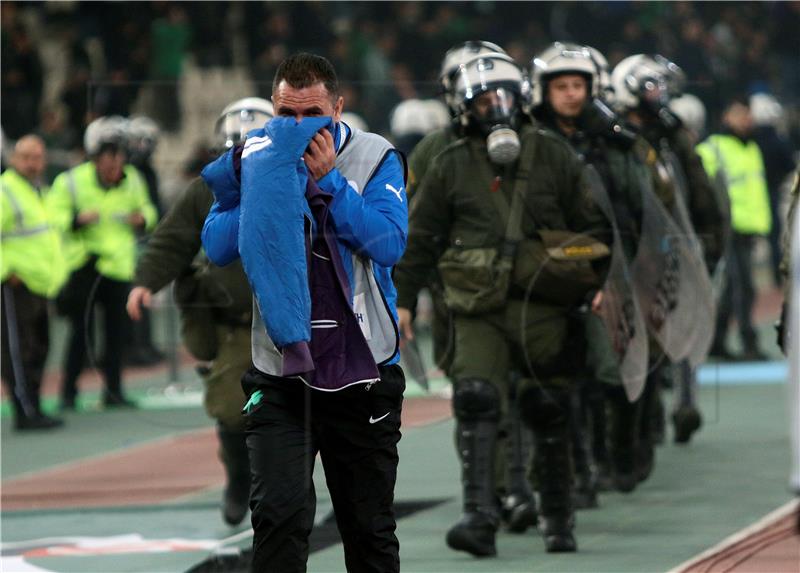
584,494
598,420
518,507
645,448
554,477
475,531
623,437
234,456
686,418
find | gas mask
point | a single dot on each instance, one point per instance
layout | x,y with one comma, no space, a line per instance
495,113
598,118
654,100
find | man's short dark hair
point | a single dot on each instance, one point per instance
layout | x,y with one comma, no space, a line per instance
303,70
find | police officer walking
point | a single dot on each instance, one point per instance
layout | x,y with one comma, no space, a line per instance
99,206
33,270
492,208
215,305
568,85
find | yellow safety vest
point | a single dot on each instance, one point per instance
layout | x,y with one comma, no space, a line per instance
111,238
31,245
743,174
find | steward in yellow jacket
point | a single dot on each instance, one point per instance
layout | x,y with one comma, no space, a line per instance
32,270
734,158
100,206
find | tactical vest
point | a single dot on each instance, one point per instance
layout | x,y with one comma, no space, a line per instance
31,247
742,168
357,161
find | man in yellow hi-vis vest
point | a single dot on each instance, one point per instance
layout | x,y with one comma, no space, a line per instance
100,205
32,269
733,158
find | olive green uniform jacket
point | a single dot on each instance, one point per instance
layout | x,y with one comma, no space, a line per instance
453,206
216,303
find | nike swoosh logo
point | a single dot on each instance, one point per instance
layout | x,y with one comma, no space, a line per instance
376,420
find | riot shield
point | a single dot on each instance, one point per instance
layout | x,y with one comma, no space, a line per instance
620,309
666,279
696,275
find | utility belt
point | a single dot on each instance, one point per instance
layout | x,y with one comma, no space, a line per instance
555,267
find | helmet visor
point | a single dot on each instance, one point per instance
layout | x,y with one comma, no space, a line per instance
495,106
483,74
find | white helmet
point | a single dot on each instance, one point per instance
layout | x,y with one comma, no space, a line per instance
106,130
765,109
499,119
413,119
241,116
637,78
354,120
676,77
418,117
691,112
563,58
458,55
143,134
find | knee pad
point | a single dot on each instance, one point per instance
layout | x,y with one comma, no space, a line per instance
476,399
544,408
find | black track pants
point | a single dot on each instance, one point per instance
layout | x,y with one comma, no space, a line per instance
356,432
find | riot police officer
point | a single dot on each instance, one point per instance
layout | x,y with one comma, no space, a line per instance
481,216
643,86
215,303
568,83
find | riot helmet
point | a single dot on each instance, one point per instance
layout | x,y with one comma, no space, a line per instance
455,57
354,121
239,117
642,84
691,112
765,109
413,119
489,94
143,134
676,77
106,133
565,58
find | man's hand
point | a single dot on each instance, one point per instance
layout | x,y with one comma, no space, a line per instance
404,325
136,220
139,296
87,217
320,156
597,302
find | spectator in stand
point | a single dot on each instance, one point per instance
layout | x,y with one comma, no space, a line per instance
21,76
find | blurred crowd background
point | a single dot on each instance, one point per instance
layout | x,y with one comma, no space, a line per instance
66,63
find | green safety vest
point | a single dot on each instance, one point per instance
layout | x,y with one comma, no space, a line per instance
111,239
742,170
31,246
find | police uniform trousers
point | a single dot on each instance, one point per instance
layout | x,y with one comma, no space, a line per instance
25,344
224,398
530,337
355,431
90,289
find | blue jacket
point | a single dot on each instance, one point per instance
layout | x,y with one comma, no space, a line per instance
372,224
